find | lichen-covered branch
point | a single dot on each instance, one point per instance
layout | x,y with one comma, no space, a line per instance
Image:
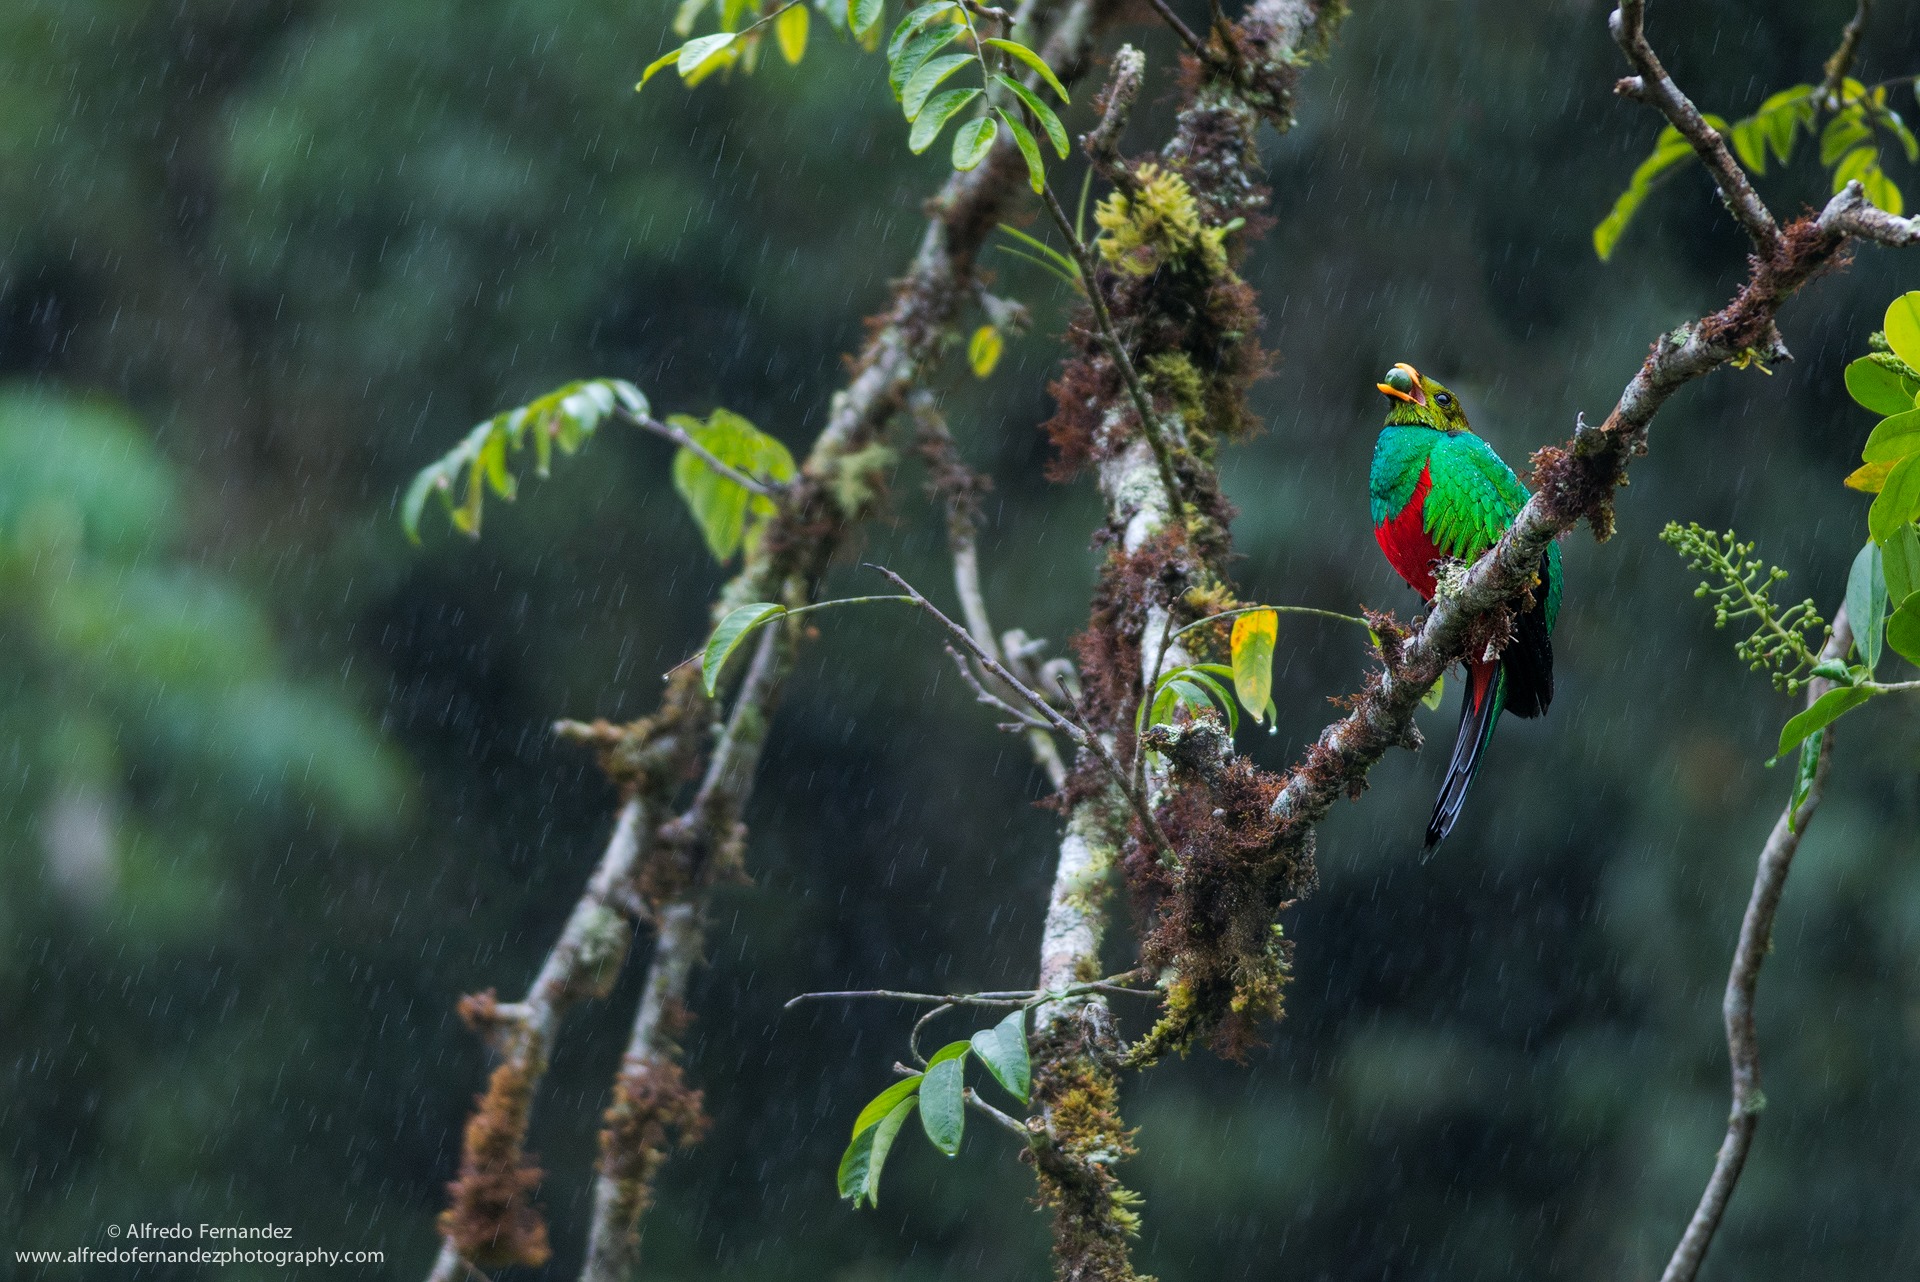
1163,358
1743,978
677,855
652,1104
490,1219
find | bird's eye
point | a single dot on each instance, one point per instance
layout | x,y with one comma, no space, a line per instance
1445,401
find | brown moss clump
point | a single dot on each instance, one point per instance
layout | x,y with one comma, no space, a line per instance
1213,917
653,1109
1094,1215
490,1217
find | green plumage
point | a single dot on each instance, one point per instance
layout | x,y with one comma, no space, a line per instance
1474,498
1439,493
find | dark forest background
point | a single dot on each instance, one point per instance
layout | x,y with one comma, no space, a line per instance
278,787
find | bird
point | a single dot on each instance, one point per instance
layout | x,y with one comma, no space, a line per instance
1440,493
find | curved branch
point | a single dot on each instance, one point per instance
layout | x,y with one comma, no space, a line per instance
1756,940
1653,85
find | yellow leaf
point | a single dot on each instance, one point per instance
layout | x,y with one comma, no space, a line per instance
790,28
983,353
1253,637
1431,699
1868,478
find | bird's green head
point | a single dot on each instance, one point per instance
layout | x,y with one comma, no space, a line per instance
1414,400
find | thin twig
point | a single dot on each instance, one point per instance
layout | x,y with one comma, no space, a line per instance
1022,721
1743,977
1842,60
1150,425
1004,1121
1181,29
1653,85
679,436
960,487
1075,730
913,1037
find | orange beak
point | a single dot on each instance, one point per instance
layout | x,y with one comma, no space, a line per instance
1415,394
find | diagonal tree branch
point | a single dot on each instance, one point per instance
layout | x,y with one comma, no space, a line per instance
1653,85
1756,941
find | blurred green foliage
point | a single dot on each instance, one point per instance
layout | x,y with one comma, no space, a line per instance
311,242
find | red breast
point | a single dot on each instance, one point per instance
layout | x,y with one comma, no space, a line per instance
1404,539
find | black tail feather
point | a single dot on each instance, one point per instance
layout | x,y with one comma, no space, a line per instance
1528,660
1476,729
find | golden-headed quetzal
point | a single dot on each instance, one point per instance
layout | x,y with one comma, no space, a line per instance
1439,493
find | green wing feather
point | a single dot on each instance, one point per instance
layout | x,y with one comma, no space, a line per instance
1474,499
1475,496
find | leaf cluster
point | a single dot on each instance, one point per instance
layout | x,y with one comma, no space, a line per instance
918,64
938,1093
730,516
1857,122
562,419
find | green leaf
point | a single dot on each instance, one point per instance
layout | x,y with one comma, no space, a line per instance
940,108
1003,1049
686,15
952,1050
864,15
790,29
1855,164
1903,630
861,1164
943,1106
1900,560
1032,60
914,95
1803,777
1670,150
1431,699
983,351
1902,325
1252,651
1782,114
1049,123
1898,501
1827,709
1867,603
913,21
697,52
1750,143
1880,389
885,1102
565,417
1842,133
1882,191
1029,150
973,140
657,66
1893,438
726,638
725,510
916,52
